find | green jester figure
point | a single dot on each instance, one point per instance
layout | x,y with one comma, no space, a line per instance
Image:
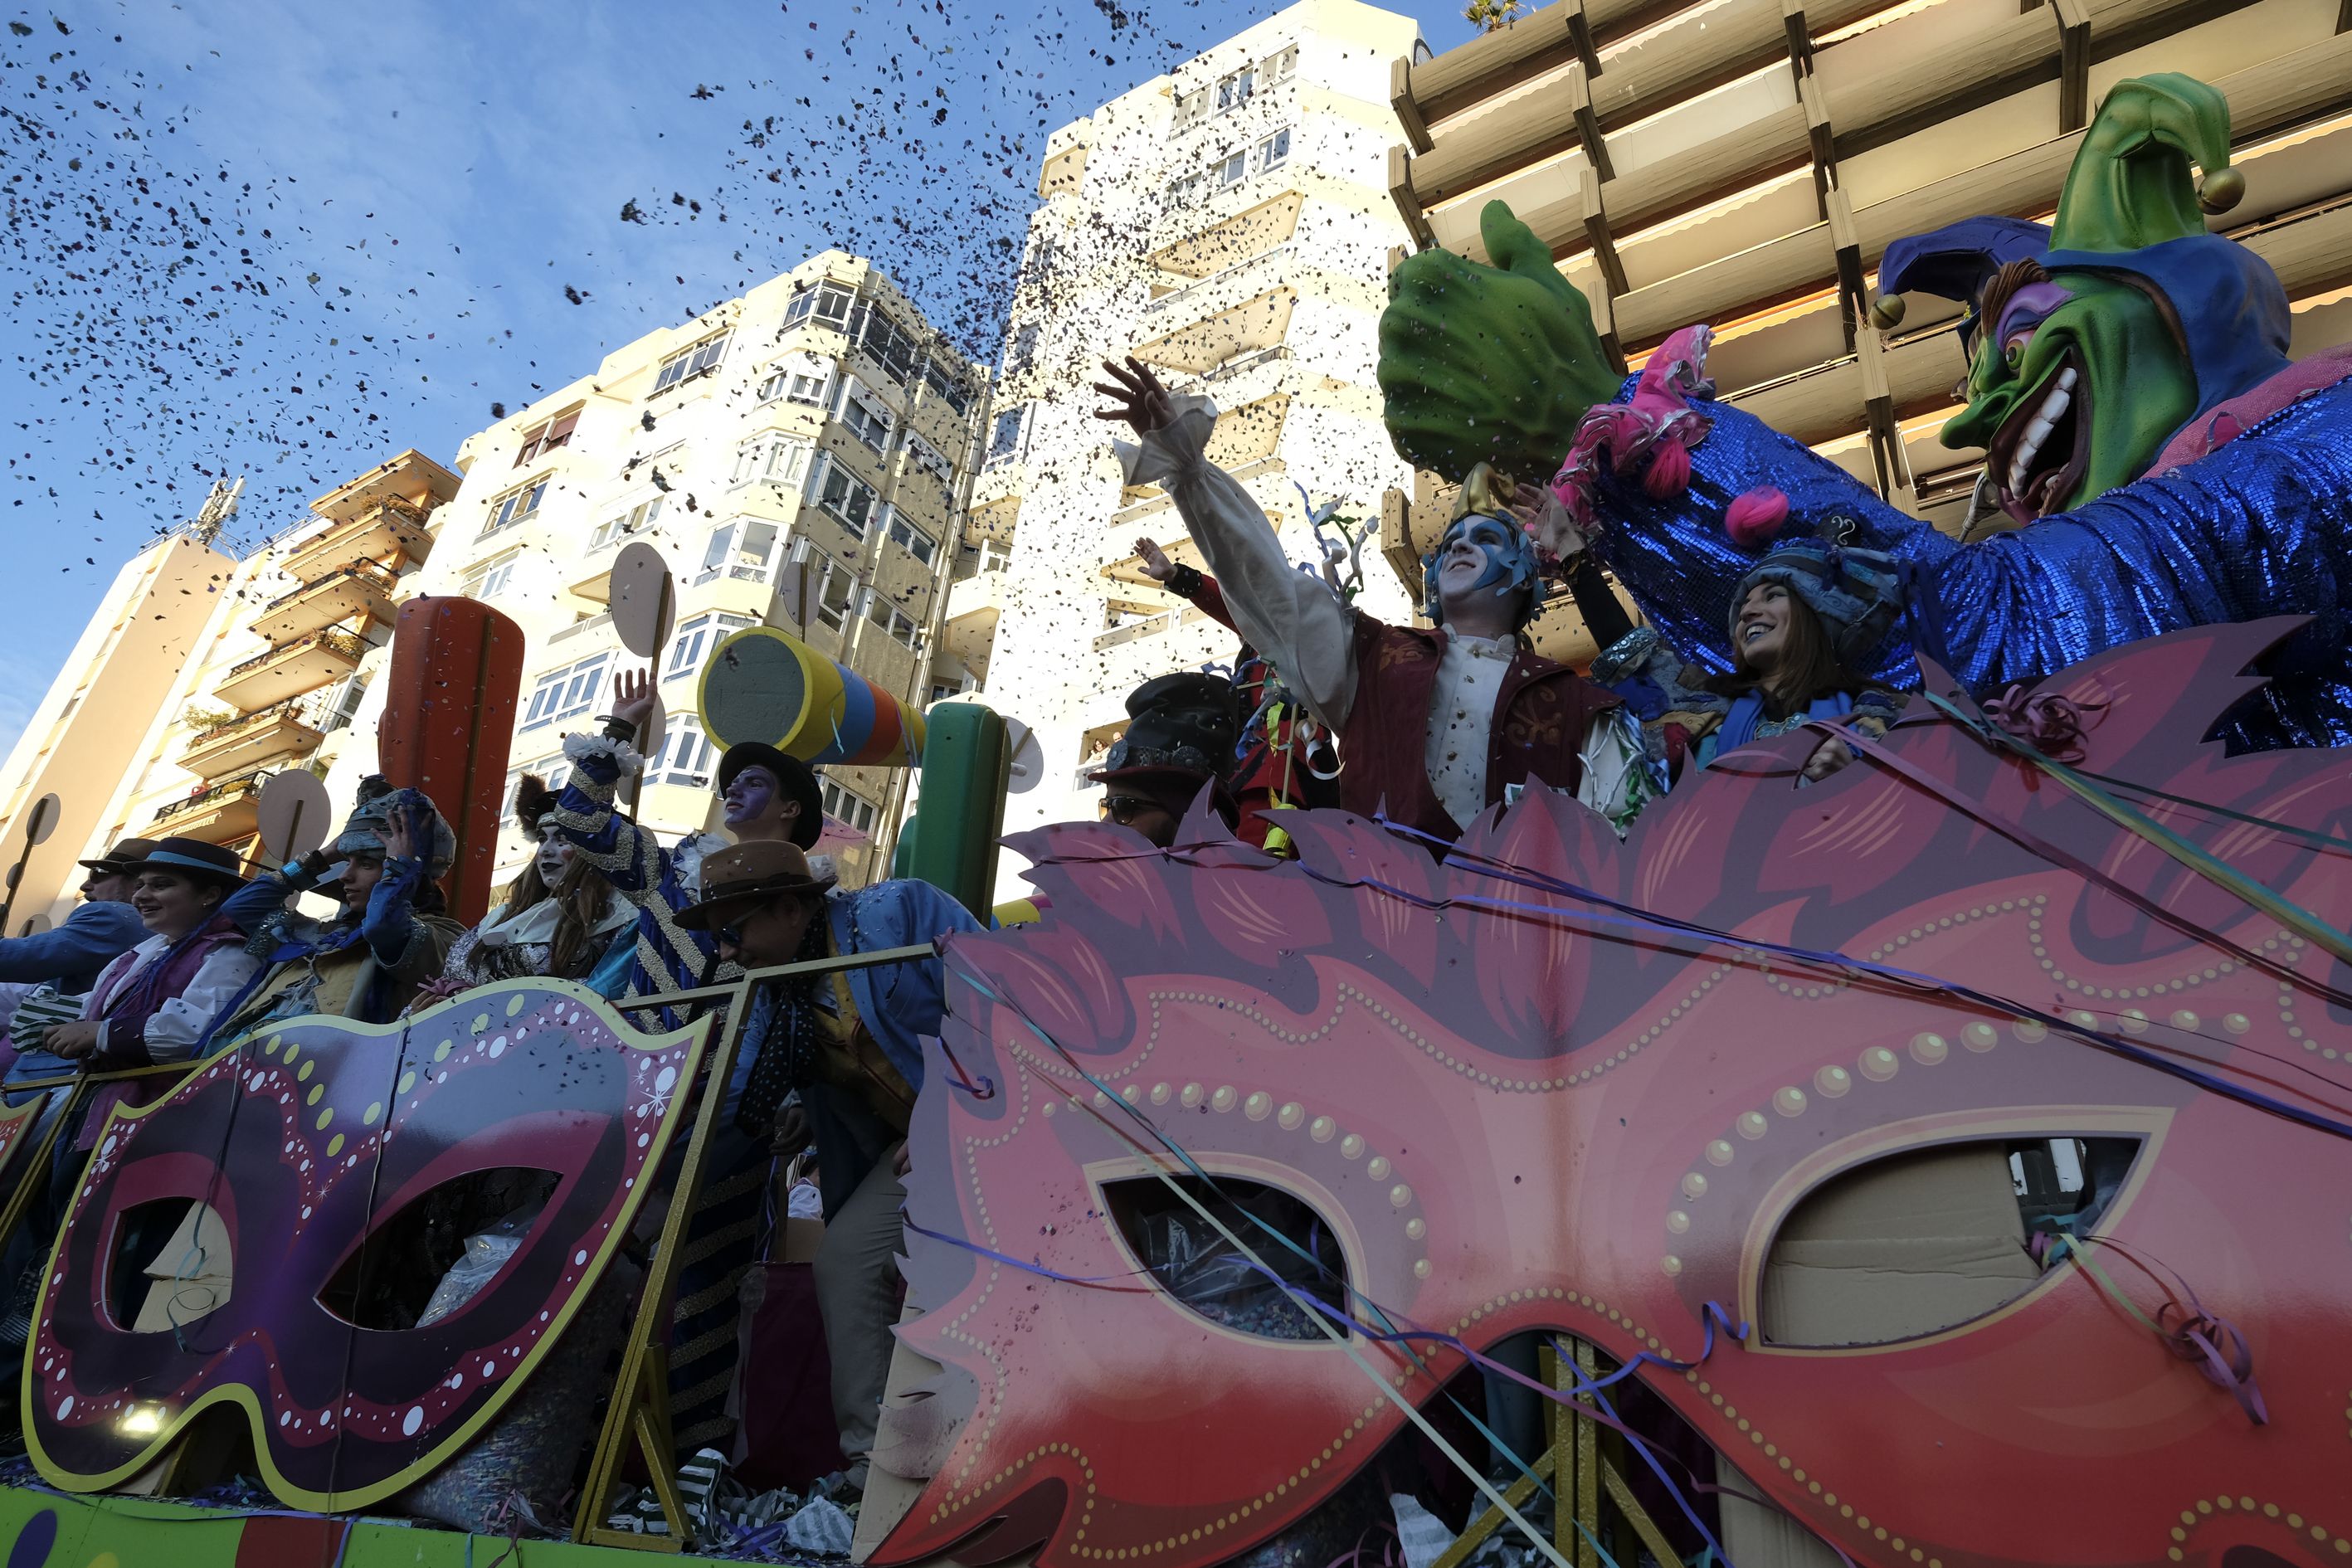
2167,465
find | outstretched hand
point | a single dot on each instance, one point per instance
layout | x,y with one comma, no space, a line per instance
632,696
1556,532
1156,565
1138,399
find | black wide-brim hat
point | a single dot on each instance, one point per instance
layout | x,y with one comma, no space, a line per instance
795,777
195,858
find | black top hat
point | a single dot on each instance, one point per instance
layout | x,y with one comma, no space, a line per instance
1187,723
797,779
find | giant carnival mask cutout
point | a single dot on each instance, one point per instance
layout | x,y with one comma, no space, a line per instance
306,1139
1519,1108
2126,369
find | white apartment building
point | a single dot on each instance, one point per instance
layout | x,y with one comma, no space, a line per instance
1230,224
801,456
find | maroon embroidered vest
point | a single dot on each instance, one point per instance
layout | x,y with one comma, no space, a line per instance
1540,714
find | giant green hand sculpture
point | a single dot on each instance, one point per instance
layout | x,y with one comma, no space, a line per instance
1489,364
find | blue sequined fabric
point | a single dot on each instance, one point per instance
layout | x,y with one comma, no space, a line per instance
2258,528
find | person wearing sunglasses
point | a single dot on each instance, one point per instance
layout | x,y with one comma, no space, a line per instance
1180,739
848,1043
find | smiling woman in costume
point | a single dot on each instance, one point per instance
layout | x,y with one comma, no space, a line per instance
559,917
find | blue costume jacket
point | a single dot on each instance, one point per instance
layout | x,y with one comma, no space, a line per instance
2258,527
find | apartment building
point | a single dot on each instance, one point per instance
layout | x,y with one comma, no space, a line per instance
203,674
1229,224
801,456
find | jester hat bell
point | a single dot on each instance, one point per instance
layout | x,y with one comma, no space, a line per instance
1857,594
1486,494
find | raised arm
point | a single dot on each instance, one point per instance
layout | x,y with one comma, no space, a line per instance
632,859
1293,619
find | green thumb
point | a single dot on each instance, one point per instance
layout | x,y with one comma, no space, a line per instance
1514,248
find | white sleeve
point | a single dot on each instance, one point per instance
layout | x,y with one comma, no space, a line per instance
180,1023
1291,618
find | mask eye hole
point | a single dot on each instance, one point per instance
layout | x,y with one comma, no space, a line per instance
1186,1257
448,1242
169,1264
1921,1242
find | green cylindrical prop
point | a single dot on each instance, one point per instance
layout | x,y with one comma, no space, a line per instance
966,766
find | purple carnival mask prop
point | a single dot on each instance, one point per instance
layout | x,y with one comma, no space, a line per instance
306,1140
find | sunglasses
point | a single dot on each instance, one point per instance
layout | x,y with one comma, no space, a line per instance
1124,809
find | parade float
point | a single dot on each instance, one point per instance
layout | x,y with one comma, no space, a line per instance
1941,1163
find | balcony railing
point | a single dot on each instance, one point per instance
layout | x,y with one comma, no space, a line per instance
302,710
359,571
1194,293
341,642
219,794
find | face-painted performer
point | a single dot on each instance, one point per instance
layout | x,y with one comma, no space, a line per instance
1434,726
2127,373
559,917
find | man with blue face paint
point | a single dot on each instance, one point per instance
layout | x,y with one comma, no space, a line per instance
1434,726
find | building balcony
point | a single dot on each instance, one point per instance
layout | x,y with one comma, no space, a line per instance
361,588
220,813
992,522
282,730
982,594
290,671
388,528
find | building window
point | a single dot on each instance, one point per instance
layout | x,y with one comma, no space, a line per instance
868,418
620,525
566,692
939,379
696,638
810,387
1235,90
744,549
345,706
1274,150
519,504
1191,108
828,302
835,588
885,614
888,344
1231,170
685,756
772,460
848,497
943,690
1280,67
853,811
541,439
1007,433
912,540
1022,351
489,580
930,458
704,355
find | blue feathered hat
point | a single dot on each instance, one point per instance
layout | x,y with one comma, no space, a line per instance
1858,595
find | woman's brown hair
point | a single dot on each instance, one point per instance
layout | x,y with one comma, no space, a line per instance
1807,651
586,899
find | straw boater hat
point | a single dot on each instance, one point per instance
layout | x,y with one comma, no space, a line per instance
742,876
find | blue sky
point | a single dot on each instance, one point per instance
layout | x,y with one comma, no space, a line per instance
433,177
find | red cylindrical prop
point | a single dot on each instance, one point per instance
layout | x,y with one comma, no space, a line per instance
448,721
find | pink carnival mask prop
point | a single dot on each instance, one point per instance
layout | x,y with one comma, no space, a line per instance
306,1139
1567,1115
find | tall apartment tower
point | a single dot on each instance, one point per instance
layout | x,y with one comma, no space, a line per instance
202,674
801,456
1230,225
